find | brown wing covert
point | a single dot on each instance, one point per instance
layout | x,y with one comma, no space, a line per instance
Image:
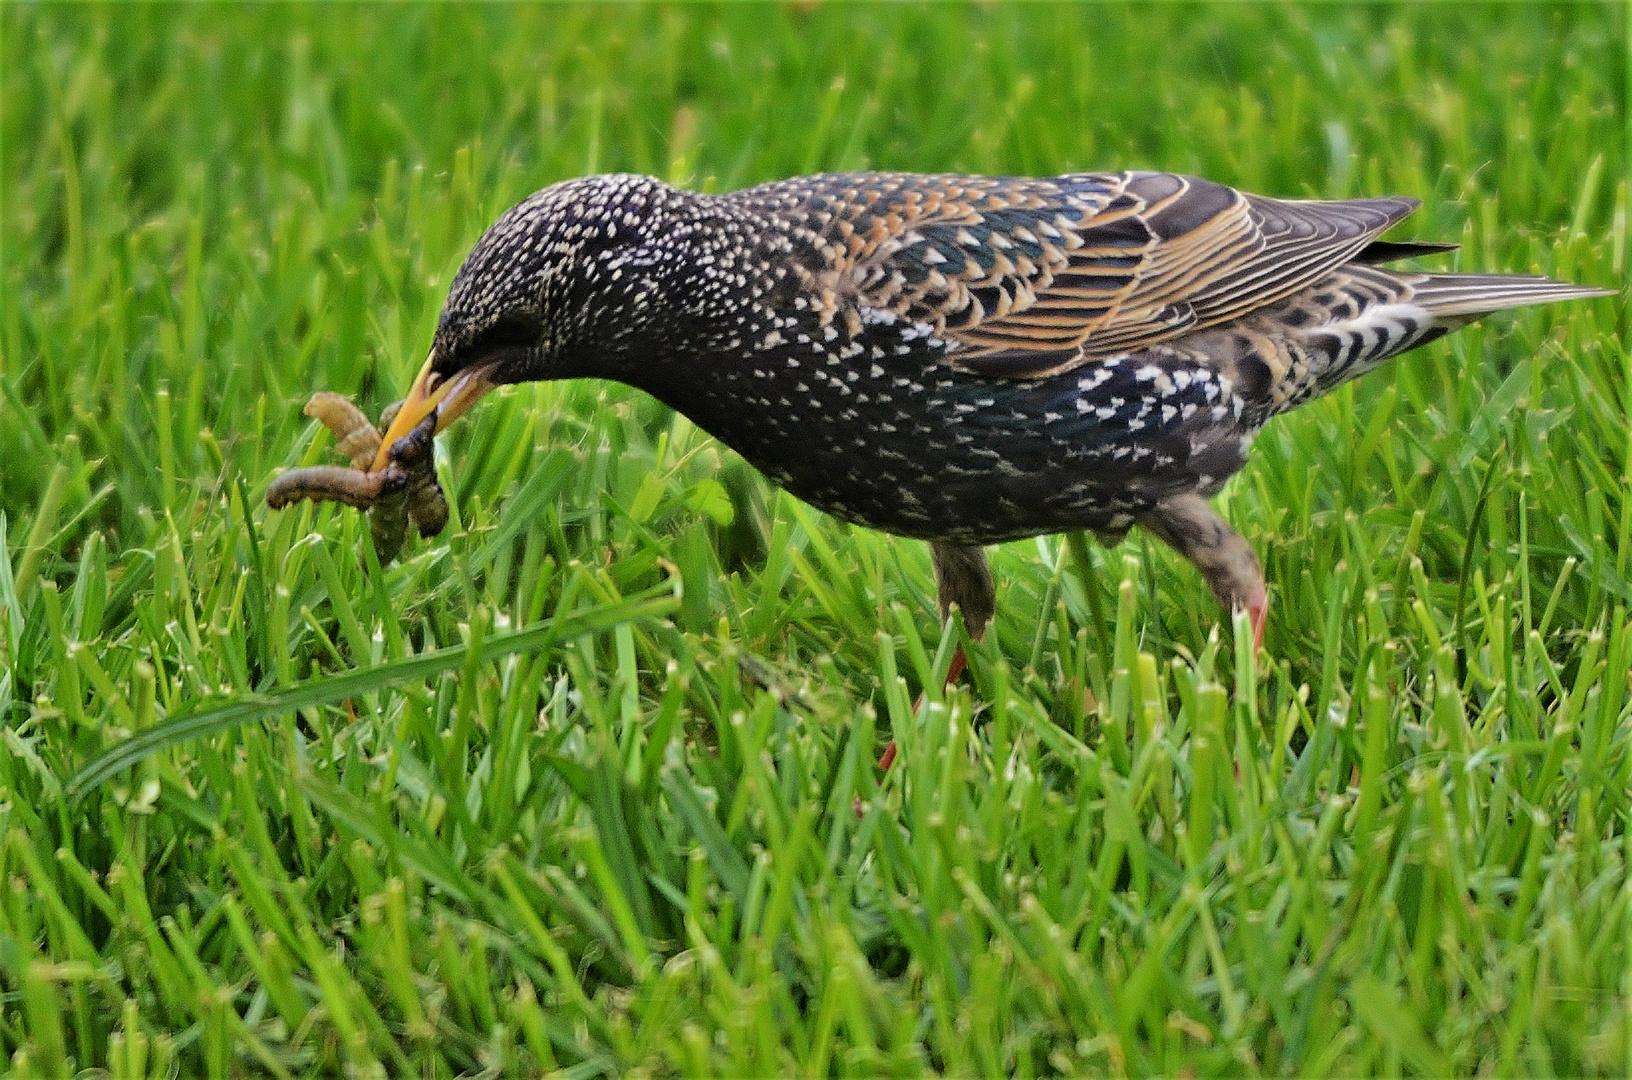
1031,277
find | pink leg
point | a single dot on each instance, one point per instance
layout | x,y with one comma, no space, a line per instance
962,578
1258,612
1188,525
959,664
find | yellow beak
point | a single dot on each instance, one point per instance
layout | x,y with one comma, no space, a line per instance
448,398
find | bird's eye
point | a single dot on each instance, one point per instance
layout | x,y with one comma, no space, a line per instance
509,331
432,381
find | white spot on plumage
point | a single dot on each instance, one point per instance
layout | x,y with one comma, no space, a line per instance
1094,380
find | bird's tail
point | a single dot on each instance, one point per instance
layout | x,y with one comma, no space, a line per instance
1363,315
1455,299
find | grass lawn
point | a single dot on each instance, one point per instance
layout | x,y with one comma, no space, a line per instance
586,783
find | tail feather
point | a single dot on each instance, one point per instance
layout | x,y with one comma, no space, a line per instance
1451,296
1362,315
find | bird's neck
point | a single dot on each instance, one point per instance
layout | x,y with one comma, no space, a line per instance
677,302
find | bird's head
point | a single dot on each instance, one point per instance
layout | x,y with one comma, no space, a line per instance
560,285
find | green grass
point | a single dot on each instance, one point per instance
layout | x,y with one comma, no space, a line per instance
586,783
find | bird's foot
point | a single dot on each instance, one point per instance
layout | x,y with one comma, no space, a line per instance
1195,530
962,578
1257,609
960,664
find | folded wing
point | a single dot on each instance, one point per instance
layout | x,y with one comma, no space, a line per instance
1036,277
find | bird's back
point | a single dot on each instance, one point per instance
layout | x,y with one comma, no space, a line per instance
1024,275
983,358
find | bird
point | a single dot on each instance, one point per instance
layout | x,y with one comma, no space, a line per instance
965,360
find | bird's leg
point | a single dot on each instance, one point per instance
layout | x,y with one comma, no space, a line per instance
962,578
1188,525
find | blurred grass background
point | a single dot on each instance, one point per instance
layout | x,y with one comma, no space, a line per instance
585,783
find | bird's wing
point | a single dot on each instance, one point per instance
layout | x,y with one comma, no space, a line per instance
1031,277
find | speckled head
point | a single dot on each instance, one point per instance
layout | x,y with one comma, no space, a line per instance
565,283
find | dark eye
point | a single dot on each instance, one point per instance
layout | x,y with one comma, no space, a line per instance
507,332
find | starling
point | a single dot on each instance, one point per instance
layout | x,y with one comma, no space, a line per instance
962,359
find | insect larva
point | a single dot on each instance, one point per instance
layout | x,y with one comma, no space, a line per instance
354,436
406,489
329,483
388,520
427,506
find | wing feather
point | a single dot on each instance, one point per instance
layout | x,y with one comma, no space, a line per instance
1030,277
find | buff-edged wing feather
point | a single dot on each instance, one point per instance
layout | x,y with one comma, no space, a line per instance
1210,255
1031,277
